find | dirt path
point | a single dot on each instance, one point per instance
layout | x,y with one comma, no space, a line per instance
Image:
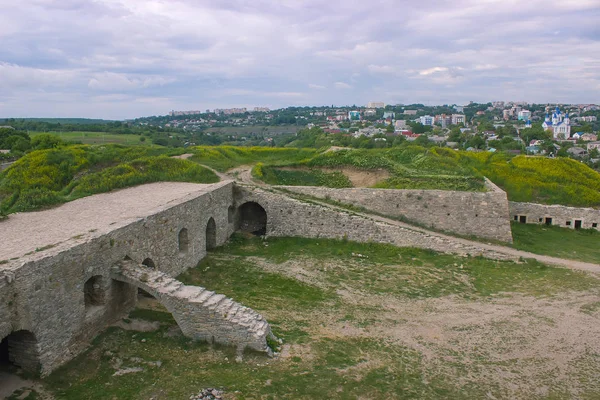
243,176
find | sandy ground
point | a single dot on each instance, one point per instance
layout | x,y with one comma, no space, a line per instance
22,233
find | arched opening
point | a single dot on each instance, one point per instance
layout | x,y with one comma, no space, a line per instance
94,292
211,234
230,214
149,263
183,240
252,218
19,349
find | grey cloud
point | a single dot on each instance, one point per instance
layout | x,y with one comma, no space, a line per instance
112,54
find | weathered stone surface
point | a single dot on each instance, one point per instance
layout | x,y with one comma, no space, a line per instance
559,215
200,313
47,296
482,214
65,294
291,217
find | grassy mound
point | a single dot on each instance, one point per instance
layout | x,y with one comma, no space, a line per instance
524,178
47,177
223,158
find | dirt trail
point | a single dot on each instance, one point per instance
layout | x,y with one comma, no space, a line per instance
244,176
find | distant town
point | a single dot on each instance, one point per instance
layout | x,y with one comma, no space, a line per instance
518,127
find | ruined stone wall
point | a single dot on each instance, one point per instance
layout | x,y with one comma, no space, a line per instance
290,217
200,313
482,214
45,295
562,216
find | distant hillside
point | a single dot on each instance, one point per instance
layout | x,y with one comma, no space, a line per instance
74,121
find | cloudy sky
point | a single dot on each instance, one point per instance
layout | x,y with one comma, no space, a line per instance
121,59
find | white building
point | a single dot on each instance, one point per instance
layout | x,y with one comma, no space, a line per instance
354,115
376,104
426,120
559,125
458,119
524,115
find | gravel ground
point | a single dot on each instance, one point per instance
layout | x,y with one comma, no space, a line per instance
23,233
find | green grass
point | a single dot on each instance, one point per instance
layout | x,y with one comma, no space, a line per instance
300,177
98,138
223,158
527,179
401,272
47,177
574,244
327,363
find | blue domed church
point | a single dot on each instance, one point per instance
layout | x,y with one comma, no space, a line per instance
559,125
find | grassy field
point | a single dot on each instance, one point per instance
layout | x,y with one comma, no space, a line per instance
223,158
44,178
580,244
364,321
97,138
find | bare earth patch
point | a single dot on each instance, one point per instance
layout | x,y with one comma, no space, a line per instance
521,345
358,177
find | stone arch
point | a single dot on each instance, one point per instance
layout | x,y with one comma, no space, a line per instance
252,218
94,292
20,349
211,234
149,263
183,240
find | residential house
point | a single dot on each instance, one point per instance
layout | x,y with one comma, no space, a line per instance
457,119
577,151
400,124
589,137
593,145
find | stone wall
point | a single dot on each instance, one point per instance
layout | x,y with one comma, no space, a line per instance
482,214
566,217
291,217
43,292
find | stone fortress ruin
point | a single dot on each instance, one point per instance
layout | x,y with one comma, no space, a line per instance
68,273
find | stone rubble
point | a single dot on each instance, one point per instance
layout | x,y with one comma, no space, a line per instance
208,394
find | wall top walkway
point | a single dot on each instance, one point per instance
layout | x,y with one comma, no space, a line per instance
23,233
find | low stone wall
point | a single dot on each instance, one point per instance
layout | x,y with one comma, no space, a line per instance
290,217
480,214
566,217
